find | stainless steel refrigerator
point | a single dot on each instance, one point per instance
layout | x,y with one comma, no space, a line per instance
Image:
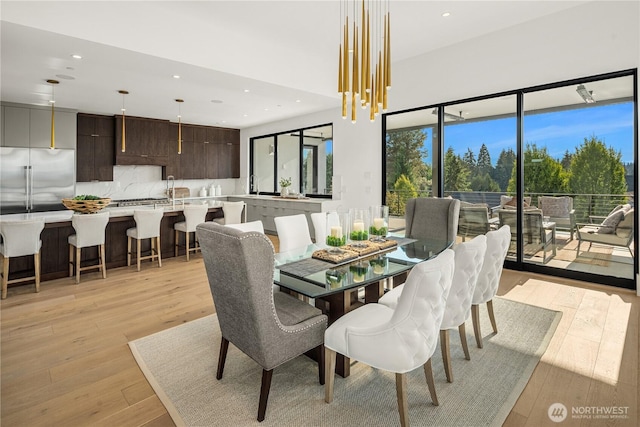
35,179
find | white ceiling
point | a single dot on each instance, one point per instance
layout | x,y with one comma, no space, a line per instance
283,52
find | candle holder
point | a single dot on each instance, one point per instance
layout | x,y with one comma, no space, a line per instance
337,231
359,221
379,223
379,265
359,271
336,278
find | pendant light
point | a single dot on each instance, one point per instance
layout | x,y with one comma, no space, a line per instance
53,120
179,101
124,139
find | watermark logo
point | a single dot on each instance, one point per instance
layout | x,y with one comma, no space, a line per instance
557,412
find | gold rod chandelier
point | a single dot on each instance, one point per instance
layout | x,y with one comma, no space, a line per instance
362,77
124,139
53,84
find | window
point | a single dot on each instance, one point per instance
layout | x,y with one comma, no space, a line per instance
303,155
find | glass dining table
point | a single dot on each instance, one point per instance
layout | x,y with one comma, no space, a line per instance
335,286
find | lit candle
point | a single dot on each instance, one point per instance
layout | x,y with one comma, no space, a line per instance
336,231
378,223
358,226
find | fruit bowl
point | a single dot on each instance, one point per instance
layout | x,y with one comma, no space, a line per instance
86,205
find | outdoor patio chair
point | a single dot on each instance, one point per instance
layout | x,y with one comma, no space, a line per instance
537,237
473,220
559,210
615,230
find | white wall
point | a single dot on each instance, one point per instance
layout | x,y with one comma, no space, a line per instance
593,38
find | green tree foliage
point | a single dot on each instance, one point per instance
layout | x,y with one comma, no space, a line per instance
405,151
484,160
542,173
469,159
484,182
596,169
456,173
403,190
504,168
329,172
566,160
422,179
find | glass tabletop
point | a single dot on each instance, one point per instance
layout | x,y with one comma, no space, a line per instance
299,272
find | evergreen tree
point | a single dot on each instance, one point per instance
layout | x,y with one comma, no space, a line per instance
405,151
470,159
542,173
504,168
456,174
484,160
483,182
566,160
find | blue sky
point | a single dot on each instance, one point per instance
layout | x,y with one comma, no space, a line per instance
558,131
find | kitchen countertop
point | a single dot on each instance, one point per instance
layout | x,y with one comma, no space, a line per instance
114,212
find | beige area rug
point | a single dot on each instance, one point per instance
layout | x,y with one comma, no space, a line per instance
180,364
598,254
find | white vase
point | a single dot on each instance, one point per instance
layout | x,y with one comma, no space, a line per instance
284,191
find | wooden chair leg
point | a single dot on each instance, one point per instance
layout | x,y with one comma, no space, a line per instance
176,236
5,276
78,264
446,354
492,317
475,318
36,260
329,373
186,243
403,404
463,339
264,393
428,373
222,357
138,252
128,251
103,262
159,251
71,261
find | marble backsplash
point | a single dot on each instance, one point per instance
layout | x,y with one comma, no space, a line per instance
136,182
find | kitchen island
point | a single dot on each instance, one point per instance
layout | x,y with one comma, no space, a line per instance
55,247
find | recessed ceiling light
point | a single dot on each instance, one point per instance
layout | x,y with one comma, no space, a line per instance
246,90
244,115
297,100
76,56
266,109
445,14
65,77
175,76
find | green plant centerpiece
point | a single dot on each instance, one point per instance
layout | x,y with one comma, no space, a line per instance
285,183
379,223
335,239
359,227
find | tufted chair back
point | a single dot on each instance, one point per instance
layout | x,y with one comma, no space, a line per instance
194,215
489,278
248,226
90,229
411,335
20,238
469,257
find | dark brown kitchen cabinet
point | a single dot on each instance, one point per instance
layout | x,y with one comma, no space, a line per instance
95,148
147,141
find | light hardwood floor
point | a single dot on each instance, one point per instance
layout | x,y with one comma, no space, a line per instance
65,359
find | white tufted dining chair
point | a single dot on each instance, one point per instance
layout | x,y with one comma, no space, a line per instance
147,227
90,231
489,278
399,340
293,232
249,226
469,260
193,215
20,238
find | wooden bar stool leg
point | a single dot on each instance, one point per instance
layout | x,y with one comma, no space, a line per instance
159,251
128,251
36,260
5,276
71,262
78,263
176,236
186,243
138,259
103,263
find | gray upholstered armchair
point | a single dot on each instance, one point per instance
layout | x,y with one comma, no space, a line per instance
432,218
271,328
559,210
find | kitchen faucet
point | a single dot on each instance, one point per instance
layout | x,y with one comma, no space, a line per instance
254,184
172,193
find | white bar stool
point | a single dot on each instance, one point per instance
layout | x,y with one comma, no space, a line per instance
193,215
90,231
232,213
147,227
20,238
